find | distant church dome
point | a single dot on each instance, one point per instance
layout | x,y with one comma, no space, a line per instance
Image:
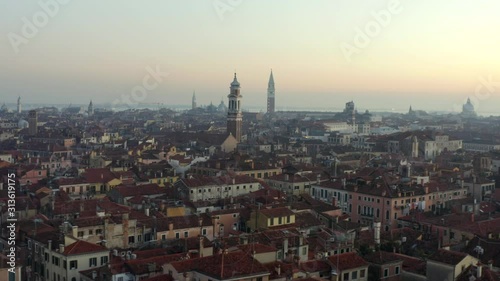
468,108
222,107
22,124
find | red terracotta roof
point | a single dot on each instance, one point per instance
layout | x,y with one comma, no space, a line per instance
235,265
98,175
277,212
347,261
448,257
83,247
257,248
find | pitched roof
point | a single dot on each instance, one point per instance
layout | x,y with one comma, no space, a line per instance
83,247
223,266
347,261
448,257
276,212
257,248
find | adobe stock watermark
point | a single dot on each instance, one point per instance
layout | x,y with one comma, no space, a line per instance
39,19
221,7
483,91
139,93
372,29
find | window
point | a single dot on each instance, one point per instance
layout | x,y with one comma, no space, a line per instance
36,248
91,232
234,215
65,264
346,276
131,239
288,219
163,237
177,235
386,272
104,260
354,275
92,262
397,270
280,220
98,231
204,231
304,252
186,234
80,233
120,278
73,264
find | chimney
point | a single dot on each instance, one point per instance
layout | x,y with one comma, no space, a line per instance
334,202
278,269
202,246
50,245
479,270
287,177
146,211
74,231
94,275
170,226
376,227
61,248
318,179
426,189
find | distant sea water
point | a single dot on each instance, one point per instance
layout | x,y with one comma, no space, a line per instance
249,108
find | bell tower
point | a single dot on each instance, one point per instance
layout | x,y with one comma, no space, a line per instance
234,114
270,94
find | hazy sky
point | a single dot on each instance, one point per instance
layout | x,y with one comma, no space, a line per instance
430,54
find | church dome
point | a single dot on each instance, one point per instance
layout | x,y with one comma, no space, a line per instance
22,124
235,82
468,107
